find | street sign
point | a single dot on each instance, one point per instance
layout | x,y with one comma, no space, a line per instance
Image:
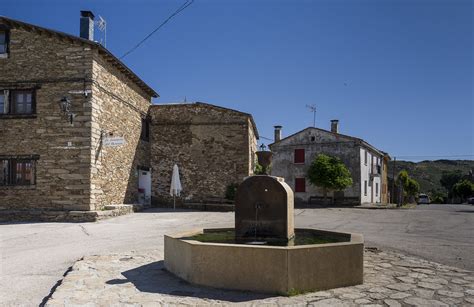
114,141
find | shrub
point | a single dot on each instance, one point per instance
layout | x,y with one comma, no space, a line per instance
438,197
258,170
231,190
463,189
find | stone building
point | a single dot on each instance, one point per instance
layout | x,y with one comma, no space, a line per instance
293,155
212,146
76,135
62,99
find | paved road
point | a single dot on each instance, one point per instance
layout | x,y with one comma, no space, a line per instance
34,256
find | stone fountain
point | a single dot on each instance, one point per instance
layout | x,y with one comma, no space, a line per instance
264,252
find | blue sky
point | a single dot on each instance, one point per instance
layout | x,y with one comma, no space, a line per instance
398,74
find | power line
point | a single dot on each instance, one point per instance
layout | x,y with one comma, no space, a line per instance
265,138
179,10
415,156
440,156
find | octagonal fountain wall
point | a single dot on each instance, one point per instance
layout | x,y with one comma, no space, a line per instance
264,252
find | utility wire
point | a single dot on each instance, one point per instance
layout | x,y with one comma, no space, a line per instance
427,156
441,156
265,138
179,10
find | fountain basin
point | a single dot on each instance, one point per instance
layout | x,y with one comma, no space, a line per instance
266,268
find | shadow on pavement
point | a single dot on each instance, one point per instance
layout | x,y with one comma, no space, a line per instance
171,210
153,278
465,211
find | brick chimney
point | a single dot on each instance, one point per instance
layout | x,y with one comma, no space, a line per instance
335,126
277,133
86,29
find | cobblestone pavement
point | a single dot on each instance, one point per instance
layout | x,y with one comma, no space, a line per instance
135,279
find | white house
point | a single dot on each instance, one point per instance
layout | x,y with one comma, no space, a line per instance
293,155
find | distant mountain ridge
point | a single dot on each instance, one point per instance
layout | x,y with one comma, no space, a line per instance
428,173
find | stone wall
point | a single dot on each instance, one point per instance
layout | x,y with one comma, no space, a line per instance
74,171
56,67
212,146
118,107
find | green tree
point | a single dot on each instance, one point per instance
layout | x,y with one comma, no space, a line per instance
329,173
449,179
464,189
403,178
410,186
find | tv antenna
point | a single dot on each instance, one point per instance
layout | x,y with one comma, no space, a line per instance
312,108
102,26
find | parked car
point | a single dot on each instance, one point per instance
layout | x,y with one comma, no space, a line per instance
470,200
423,199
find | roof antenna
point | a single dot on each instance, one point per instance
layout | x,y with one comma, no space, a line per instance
102,25
312,108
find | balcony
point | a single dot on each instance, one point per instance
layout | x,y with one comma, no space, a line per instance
376,171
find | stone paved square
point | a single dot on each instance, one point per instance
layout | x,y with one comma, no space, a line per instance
34,256
134,279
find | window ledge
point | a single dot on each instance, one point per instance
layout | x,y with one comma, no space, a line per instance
17,116
17,187
299,163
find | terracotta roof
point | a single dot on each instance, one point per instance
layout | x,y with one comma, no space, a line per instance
355,139
198,103
102,50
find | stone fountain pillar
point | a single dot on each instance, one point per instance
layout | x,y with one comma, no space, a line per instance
264,207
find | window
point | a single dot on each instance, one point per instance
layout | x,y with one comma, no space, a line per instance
313,138
366,157
4,40
17,102
17,171
300,185
3,102
365,187
299,155
376,189
145,133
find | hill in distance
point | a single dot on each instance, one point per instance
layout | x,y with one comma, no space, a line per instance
428,173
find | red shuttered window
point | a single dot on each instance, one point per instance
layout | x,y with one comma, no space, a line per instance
300,185
299,155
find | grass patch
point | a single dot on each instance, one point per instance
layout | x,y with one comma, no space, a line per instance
295,292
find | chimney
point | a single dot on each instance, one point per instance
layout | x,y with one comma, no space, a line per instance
87,25
335,126
277,133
